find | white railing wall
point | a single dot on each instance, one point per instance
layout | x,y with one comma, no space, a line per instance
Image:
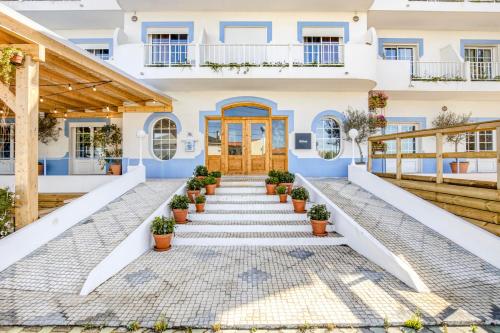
485,71
52,225
455,71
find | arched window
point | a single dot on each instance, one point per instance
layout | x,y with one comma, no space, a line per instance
328,139
164,139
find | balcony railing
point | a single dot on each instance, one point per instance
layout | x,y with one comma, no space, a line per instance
247,55
454,71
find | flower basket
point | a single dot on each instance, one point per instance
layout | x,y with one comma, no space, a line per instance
377,100
379,146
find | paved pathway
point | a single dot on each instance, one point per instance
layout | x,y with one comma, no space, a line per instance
277,286
467,283
63,264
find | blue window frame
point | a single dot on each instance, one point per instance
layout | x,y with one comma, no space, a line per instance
168,49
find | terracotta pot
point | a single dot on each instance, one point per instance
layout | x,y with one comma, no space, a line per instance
162,242
271,189
299,206
210,189
115,169
180,215
40,169
200,208
464,166
319,228
218,181
283,198
289,187
16,59
201,177
192,194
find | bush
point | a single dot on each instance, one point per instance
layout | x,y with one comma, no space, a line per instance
179,202
210,180
162,225
281,189
415,322
318,213
201,171
194,184
274,173
160,325
6,210
286,177
215,174
133,326
300,193
272,180
200,199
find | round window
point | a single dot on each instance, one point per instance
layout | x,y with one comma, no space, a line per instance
164,139
328,138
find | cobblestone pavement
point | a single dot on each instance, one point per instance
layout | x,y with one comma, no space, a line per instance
63,264
467,283
280,286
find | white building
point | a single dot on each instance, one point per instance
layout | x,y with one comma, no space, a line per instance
264,84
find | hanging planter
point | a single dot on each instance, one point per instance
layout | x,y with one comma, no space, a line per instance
379,146
377,100
10,58
17,58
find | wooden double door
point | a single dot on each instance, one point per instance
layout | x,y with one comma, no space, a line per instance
246,145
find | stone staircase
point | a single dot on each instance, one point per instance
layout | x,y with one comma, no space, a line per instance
240,213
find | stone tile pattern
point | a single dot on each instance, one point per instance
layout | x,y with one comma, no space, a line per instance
63,264
451,272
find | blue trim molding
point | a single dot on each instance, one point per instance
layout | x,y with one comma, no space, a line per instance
421,121
312,24
332,113
107,41
476,42
174,168
249,24
153,117
82,120
171,24
417,41
250,99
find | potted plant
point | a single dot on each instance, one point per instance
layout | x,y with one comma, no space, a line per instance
200,172
377,100
360,120
379,146
378,121
40,168
109,140
210,185
179,206
162,229
217,175
48,130
10,58
200,203
299,197
194,186
319,216
271,184
286,178
449,119
274,173
282,191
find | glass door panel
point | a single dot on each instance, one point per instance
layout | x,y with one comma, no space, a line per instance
234,147
258,146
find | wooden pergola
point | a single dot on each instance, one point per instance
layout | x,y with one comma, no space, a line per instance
61,80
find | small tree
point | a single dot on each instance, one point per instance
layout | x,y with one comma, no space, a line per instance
449,119
109,140
361,121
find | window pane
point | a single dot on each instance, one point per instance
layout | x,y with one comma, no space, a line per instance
214,138
235,137
279,137
328,138
258,146
164,139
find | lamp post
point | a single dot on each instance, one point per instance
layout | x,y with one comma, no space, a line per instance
353,134
140,135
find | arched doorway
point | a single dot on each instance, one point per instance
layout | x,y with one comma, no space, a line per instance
246,139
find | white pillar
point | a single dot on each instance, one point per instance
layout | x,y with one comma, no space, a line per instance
353,134
140,135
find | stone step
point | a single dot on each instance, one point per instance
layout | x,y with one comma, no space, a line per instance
230,183
248,222
245,198
258,178
229,216
245,229
256,239
240,190
245,208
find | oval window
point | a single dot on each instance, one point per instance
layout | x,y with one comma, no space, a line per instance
164,139
328,138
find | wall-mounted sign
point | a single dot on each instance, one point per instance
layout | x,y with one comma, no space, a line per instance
302,140
189,143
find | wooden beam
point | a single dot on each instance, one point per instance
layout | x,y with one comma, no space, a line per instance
498,157
7,96
439,158
146,109
370,159
26,173
399,163
36,51
76,114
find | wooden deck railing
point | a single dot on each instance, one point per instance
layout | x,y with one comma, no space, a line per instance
439,154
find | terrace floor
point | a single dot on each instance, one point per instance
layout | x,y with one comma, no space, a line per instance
279,286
